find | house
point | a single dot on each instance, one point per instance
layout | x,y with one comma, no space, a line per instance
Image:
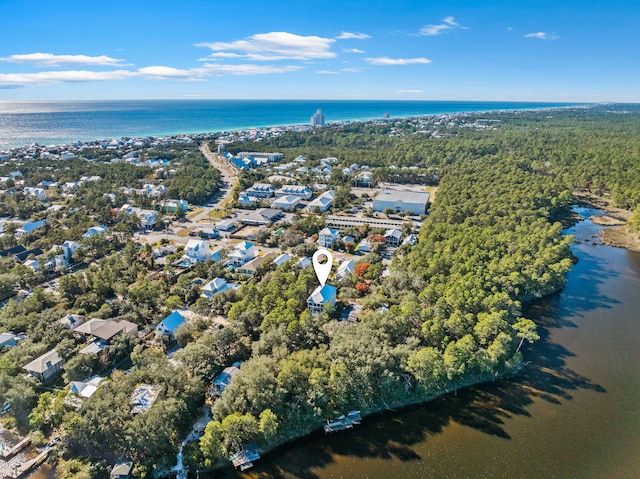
85,389
286,203
122,470
322,295
364,246
410,240
95,230
226,225
45,366
29,227
197,250
39,193
346,268
225,377
250,267
34,264
283,258
304,262
322,203
106,329
12,251
217,255
148,218
327,236
71,321
261,217
393,237
170,324
206,233
22,256
295,190
7,340
246,200
65,251
172,206
215,286
242,252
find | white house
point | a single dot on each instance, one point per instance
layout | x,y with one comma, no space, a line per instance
283,258
322,203
321,296
197,250
327,236
393,237
286,203
226,225
95,230
29,227
215,286
39,193
246,200
170,324
346,268
242,252
66,250
71,321
261,190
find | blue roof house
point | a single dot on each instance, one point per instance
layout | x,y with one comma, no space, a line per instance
321,296
170,324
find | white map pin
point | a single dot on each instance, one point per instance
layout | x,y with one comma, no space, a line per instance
322,270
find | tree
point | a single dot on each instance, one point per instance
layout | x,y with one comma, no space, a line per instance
212,443
525,330
80,367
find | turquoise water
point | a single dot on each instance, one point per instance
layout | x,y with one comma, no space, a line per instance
53,122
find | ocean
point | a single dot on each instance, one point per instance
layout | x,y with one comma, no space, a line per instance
61,122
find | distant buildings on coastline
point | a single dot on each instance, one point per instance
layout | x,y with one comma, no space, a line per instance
317,119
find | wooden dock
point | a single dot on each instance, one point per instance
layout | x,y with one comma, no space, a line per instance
341,423
19,469
244,459
7,453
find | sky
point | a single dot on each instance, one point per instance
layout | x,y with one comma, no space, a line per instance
561,50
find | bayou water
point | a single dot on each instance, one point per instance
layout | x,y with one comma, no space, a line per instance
574,412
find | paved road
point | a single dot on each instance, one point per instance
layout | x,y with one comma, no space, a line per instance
229,174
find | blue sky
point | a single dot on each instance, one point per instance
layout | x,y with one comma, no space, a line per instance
457,50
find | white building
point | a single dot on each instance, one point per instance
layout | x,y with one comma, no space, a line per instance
317,119
286,203
261,190
215,286
346,268
322,202
242,252
393,237
327,236
95,230
197,250
401,201
296,190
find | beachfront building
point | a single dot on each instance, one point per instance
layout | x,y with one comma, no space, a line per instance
317,119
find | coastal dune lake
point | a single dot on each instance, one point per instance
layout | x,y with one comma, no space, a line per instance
574,412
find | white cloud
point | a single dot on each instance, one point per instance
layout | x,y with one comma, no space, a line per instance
352,36
397,61
276,46
350,70
163,72
410,91
8,80
221,55
448,23
213,69
327,72
51,60
542,36
353,50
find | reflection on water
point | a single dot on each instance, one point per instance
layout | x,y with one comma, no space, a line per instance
574,412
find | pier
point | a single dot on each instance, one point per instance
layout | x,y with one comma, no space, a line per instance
341,423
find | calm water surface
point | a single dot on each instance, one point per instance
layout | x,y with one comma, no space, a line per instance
574,413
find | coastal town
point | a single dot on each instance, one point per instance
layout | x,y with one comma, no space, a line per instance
202,253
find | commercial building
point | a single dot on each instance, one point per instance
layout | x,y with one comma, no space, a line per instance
317,119
401,201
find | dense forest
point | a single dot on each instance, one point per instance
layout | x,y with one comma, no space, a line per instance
447,314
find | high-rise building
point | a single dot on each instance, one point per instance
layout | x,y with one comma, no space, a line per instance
317,119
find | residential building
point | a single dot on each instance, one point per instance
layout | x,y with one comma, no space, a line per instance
322,203
295,190
242,253
346,268
322,295
197,250
266,157
39,193
226,225
401,201
95,230
260,217
71,321
45,366
286,203
172,206
283,258
215,286
250,267
170,324
410,240
261,190
245,200
29,227
393,237
122,470
327,236
7,340
85,389
106,329
338,221
225,377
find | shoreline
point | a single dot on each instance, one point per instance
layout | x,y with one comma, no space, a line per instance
615,231
509,107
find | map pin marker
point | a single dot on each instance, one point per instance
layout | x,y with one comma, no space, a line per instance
322,270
